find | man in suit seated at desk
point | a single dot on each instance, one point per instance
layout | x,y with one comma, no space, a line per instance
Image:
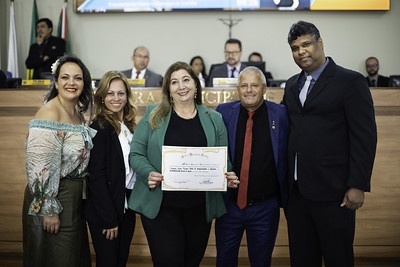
257,57
232,65
141,59
373,78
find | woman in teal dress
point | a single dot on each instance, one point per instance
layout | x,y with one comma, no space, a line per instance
57,155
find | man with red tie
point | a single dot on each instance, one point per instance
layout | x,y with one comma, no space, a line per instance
141,59
257,135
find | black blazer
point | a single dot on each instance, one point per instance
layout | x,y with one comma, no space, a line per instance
106,183
54,47
334,135
151,79
383,81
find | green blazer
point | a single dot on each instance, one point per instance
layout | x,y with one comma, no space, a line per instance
145,157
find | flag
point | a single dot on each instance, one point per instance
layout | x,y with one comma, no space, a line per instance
35,17
63,28
12,68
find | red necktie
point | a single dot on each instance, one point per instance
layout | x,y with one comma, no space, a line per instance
137,74
244,171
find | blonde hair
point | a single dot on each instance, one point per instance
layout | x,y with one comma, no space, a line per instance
103,114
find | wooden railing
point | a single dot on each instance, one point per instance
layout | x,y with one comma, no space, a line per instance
378,222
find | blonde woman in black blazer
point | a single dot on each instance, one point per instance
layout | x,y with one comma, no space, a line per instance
111,179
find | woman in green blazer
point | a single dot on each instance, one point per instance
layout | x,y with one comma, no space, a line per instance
177,224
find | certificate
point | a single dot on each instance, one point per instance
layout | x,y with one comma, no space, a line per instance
194,168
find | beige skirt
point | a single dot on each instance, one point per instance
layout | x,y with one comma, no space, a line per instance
70,246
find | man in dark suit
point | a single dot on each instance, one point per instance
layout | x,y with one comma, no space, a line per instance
373,78
232,65
45,51
141,59
331,151
257,57
258,214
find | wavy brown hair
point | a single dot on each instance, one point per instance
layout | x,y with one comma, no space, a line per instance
103,114
158,114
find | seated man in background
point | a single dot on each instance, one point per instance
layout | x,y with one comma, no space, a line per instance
257,57
232,65
141,59
45,51
373,78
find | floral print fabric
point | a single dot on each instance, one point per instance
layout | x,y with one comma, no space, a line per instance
54,151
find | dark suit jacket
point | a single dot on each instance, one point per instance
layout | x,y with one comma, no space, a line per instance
54,47
152,79
220,72
334,135
106,184
383,81
279,134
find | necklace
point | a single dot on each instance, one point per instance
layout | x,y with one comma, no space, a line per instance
187,116
125,133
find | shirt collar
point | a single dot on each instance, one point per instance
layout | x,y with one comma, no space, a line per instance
316,73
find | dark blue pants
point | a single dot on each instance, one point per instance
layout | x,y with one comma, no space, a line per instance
260,220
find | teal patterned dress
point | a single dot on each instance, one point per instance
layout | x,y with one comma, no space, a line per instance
57,157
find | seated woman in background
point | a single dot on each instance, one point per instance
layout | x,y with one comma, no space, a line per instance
177,223
111,178
197,64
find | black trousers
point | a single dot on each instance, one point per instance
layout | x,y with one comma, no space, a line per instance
319,230
114,253
177,237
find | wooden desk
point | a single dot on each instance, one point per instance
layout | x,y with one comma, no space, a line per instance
378,222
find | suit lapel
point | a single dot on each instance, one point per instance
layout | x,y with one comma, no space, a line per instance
321,83
273,125
117,145
294,89
232,122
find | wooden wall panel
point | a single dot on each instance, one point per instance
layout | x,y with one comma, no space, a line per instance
378,222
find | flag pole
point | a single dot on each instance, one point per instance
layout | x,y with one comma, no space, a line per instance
12,60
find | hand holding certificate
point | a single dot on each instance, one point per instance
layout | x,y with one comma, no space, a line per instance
194,168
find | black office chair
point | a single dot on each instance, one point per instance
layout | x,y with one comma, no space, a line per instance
3,79
14,82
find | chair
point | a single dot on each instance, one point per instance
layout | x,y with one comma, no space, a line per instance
3,79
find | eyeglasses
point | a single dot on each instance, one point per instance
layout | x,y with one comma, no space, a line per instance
372,65
233,53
